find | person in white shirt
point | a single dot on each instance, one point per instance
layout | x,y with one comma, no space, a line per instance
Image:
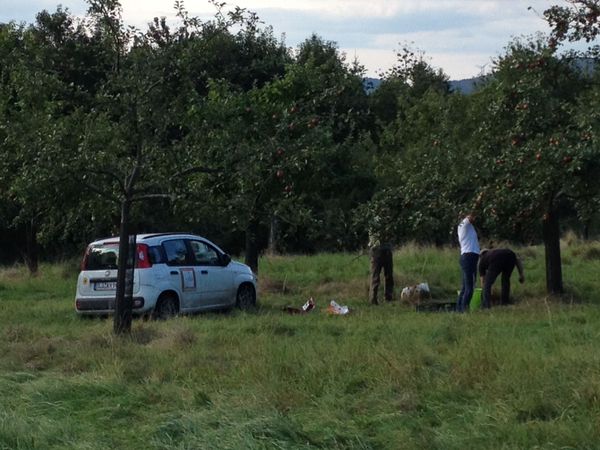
469,255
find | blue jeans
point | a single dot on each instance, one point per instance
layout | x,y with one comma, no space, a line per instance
468,266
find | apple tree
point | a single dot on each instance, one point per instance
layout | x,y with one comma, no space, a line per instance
133,145
49,73
282,147
421,140
534,153
576,20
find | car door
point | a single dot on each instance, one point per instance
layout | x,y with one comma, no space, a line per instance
215,282
181,273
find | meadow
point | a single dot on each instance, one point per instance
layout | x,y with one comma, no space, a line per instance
381,377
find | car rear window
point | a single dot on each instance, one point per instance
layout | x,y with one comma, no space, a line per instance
102,257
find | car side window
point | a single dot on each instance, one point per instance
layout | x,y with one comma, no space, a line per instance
203,254
156,254
176,252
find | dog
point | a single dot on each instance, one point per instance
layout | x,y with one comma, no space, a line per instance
416,293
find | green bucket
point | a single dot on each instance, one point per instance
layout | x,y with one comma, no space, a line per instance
475,300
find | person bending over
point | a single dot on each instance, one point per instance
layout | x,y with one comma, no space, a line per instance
493,263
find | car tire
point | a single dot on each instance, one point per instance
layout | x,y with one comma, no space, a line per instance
246,297
166,307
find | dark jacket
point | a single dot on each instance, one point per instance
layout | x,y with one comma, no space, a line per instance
500,259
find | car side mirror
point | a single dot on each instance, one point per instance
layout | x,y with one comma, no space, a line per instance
225,259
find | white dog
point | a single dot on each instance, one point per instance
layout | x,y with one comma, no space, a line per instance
415,293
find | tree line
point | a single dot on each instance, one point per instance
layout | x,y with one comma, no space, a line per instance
216,127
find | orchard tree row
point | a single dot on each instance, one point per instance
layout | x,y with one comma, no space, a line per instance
216,127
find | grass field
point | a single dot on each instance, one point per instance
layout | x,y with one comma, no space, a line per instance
385,377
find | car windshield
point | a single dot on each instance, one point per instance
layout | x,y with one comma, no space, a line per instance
103,257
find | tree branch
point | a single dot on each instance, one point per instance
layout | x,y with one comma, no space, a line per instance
113,175
199,169
102,193
151,196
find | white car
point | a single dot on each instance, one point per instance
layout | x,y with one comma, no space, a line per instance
174,273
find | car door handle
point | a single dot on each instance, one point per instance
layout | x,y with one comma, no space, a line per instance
174,272
204,272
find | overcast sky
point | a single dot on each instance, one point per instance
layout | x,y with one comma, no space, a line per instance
458,36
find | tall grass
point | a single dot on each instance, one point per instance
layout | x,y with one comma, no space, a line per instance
523,376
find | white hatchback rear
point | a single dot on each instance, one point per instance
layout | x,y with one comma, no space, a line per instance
174,273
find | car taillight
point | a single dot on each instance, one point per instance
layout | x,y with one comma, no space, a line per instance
84,260
142,257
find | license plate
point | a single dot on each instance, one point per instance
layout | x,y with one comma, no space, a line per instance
105,285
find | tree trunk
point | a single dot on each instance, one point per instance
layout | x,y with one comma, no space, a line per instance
123,302
32,254
551,234
586,230
273,248
251,258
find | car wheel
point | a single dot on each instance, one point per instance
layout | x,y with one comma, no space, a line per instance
246,297
165,308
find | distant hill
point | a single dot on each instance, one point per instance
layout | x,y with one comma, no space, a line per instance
370,85
466,86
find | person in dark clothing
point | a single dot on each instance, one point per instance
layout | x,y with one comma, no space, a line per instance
381,254
381,258
493,263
